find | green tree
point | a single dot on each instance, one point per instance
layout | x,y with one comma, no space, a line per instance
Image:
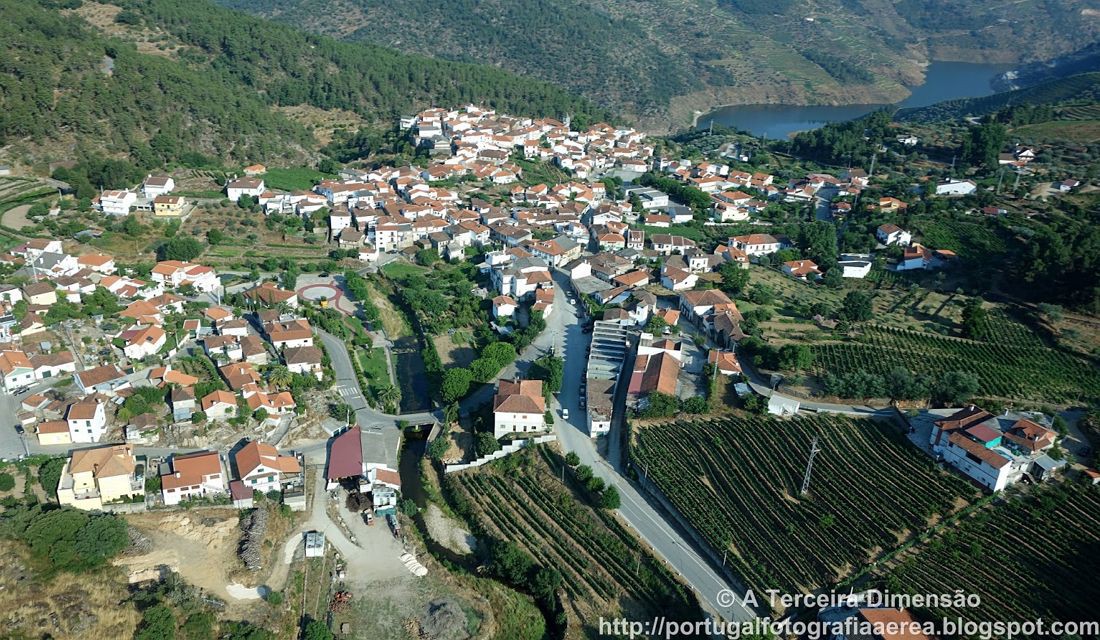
975,320
183,248
7,482
551,370
695,404
659,405
734,278
510,563
456,383
486,444
198,626
857,307
955,388
572,459
545,583
279,376
316,630
157,623
795,357
49,475
610,498
438,448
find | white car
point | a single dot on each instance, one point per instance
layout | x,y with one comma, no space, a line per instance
565,414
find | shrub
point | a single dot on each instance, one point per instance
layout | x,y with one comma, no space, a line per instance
7,482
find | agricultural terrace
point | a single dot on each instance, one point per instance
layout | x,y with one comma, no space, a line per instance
604,569
738,482
1012,364
1035,556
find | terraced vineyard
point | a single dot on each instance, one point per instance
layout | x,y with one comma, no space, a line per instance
1018,368
1036,557
604,568
738,482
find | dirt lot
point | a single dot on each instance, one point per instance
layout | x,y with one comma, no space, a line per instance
456,350
16,218
198,544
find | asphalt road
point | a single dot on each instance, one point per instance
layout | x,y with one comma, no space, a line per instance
646,519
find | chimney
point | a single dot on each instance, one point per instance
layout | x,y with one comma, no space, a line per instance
177,474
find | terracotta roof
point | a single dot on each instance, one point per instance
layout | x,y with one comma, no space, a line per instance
99,375
53,426
660,372
218,396
105,461
257,453
523,396
189,469
756,239
987,456
82,410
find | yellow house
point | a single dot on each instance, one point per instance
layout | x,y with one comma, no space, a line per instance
99,476
54,432
168,206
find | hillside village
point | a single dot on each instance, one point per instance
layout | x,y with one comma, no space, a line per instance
620,292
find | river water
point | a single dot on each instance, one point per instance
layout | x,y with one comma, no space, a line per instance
943,81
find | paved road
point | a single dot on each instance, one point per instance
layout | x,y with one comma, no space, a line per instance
648,521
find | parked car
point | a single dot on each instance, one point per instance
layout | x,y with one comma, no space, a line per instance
19,429
565,414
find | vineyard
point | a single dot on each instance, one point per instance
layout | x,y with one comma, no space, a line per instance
1035,557
1019,367
604,569
738,482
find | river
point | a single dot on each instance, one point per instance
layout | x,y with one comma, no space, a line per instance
412,377
943,81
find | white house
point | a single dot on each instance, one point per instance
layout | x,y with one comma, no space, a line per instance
956,188
890,233
144,342
756,244
503,306
117,203
254,187
678,279
518,407
16,370
157,186
87,420
991,467
193,475
261,467
855,266
174,273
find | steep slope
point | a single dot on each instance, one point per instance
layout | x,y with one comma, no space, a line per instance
1083,89
158,79
659,60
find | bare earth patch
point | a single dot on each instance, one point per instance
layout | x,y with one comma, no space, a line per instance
447,532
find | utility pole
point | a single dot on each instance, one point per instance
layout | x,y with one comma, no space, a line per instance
1000,179
809,466
871,173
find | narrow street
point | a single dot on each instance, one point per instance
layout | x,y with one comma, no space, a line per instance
648,521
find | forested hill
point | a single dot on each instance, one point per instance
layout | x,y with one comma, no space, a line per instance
658,60
158,80
1080,88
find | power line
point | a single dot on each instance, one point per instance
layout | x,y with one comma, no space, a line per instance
814,449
